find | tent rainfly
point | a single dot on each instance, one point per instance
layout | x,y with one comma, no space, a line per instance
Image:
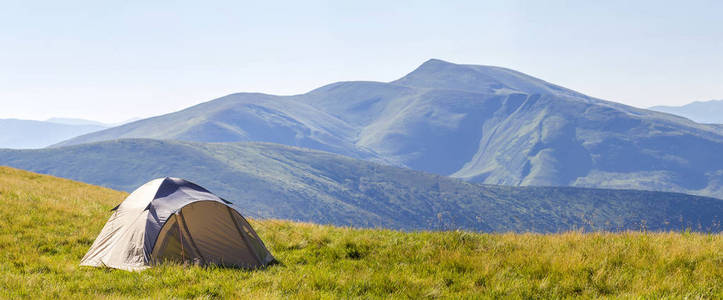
171,219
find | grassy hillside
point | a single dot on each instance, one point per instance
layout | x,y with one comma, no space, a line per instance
277,181
47,224
479,123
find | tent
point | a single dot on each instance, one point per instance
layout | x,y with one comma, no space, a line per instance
171,219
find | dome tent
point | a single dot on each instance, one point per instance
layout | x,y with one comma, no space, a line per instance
171,219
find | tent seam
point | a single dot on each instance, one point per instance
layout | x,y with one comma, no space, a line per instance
238,229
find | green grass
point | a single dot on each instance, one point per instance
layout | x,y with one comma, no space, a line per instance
47,224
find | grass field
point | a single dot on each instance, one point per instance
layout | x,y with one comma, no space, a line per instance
47,224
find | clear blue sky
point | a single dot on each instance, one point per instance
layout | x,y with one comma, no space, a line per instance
113,60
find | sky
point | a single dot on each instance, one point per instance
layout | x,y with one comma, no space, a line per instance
114,60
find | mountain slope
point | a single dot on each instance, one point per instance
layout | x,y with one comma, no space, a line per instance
480,123
243,117
47,224
270,180
699,111
24,134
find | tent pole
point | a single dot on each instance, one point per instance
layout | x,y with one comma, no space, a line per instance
190,238
180,236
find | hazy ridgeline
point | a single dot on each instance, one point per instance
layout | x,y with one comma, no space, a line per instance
700,111
27,134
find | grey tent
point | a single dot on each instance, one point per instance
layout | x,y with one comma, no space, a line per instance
171,219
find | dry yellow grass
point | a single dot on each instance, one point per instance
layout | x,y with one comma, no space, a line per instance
47,224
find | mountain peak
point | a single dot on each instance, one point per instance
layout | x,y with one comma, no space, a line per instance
440,74
435,65
435,62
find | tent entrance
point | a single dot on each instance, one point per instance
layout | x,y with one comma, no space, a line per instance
175,244
208,232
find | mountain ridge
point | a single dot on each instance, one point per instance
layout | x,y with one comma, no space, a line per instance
294,183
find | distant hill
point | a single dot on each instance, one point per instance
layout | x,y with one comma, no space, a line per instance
73,121
480,123
27,134
271,180
699,111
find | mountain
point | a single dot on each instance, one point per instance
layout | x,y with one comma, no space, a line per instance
479,123
699,111
24,134
271,180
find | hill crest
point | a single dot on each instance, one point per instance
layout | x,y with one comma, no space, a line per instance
277,181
